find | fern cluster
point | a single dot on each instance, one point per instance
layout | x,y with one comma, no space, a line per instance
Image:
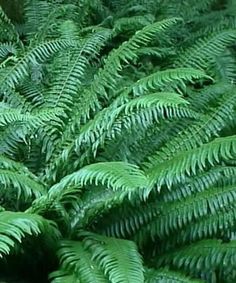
118,141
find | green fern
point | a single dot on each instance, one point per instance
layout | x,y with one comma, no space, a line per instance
117,141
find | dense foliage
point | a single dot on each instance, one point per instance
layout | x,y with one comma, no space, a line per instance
118,141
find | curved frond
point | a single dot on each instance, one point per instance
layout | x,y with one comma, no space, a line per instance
166,78
115,175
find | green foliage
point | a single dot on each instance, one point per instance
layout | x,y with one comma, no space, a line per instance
118,141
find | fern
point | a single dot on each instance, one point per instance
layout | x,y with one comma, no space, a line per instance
117,141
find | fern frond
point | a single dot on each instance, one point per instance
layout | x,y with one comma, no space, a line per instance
74,257
223,67
6,49
140,111
201,132
200,101
220,224
202,256
115,175
119,259
66,86
154,51
37,16
20,185
199,183
40,53
165,78
110,123
188,162
8,31
172,217
203,51
107,76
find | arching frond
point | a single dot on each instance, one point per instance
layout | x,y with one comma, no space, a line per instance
165,78
115,175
